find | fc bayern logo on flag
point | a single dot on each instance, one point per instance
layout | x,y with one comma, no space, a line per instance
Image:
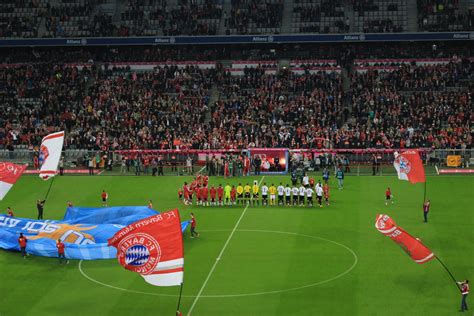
44,152
140,253
405,165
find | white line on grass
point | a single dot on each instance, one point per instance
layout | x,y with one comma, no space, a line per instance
220,255
84,274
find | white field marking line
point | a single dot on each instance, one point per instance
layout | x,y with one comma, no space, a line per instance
243,294
220,255
122,289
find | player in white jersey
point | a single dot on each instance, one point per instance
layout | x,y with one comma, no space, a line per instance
288,195
319,194
264,194
302,190
309,196
295,191
281,193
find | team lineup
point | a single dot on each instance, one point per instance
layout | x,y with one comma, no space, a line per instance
202,194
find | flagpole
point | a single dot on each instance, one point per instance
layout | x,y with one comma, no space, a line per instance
50,185
449,272
424,194
179,300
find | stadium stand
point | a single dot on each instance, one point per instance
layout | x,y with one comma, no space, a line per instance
21,18
85,18
442,15
297,95
255,17
380,16
319,16
157,17
148,106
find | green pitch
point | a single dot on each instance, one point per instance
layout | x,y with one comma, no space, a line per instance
258,261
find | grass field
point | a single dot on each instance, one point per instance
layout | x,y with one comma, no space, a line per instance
272,260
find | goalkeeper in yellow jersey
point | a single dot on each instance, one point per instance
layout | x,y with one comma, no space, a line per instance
247,189
272,190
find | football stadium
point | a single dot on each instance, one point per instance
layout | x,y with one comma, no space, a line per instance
236,157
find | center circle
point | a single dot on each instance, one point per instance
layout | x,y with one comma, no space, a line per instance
269,254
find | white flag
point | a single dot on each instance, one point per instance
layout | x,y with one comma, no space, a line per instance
50,153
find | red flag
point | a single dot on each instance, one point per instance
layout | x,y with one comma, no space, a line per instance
409,166
153,247
9,174
411,245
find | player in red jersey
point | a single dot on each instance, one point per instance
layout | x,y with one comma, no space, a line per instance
104,197
61,254
199,179
204,194
311,182
205,180
22,241
194,233
326,193
185,193
213,195
220,194
233,195
197,192
388,196
10,212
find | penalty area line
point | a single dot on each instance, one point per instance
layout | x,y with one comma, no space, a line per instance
220,255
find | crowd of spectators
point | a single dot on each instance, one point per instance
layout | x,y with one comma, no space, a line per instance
105,107
411,107
111,108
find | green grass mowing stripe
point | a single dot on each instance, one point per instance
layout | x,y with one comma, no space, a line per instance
220,254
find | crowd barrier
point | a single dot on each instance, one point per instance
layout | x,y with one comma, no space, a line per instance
191,161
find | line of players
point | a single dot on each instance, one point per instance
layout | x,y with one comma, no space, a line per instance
232,195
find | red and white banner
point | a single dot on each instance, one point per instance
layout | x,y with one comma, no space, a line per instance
453,171
68,171
411,245
153,247
9,174
409,166
50,153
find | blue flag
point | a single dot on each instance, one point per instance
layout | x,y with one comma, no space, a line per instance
84,231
